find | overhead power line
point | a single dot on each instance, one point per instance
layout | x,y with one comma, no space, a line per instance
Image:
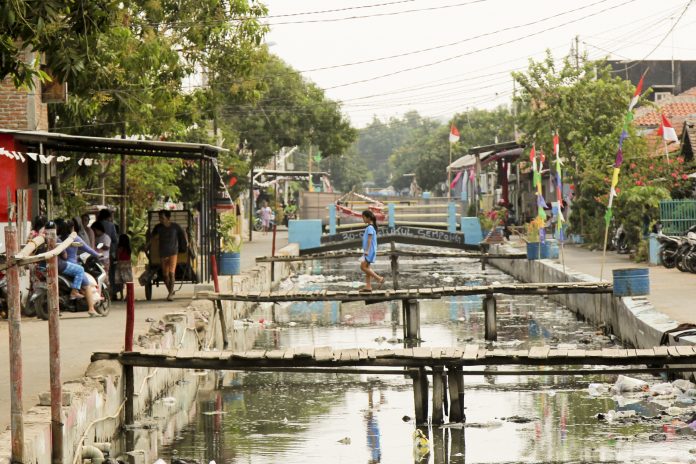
490,47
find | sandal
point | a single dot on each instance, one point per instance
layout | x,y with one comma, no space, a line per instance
365,290
381,283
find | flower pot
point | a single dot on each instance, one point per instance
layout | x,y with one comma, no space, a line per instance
230,263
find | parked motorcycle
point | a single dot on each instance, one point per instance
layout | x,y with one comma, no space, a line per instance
679,252
669,247
619,241
93,270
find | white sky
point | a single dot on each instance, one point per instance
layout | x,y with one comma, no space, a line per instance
629,29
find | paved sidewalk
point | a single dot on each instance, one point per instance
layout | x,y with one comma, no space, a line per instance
81,335
671,292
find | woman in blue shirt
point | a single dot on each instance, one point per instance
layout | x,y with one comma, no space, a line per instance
369,251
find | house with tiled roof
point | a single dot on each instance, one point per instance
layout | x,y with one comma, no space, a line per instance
677,108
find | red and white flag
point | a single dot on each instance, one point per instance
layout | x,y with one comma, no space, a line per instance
454,134
636,95
556,147
667,131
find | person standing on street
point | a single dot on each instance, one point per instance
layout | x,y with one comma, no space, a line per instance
172,240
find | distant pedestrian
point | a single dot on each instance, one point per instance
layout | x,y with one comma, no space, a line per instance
266,214
124,268
369,245
172,241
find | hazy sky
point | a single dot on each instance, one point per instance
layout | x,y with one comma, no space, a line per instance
474,46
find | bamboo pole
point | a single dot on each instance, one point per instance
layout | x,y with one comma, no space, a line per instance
15,338
54,353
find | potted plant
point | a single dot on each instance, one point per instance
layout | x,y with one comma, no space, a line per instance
230,244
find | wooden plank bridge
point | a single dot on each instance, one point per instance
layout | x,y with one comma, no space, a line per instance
397,253
447,366
428,293
409,298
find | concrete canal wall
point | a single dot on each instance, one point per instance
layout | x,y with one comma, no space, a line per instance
93,406
633,319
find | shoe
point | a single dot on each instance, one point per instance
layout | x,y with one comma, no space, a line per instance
76,297
94,314
170,297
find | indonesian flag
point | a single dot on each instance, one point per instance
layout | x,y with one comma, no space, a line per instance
556,147
667,131
454,134
636,95
532,157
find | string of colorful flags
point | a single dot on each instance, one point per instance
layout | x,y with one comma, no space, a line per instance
619,154
559,188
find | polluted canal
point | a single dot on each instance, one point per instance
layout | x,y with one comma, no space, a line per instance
259,417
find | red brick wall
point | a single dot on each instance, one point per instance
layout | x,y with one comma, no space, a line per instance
13,106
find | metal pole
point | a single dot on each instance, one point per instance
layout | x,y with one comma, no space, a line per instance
251,201
130,316
273,252
15,338
449,174
122,220
54,353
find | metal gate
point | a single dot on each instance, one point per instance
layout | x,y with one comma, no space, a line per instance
677,216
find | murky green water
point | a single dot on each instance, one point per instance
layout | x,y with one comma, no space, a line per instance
320,418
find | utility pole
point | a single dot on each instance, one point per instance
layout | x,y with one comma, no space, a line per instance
309,169
577,52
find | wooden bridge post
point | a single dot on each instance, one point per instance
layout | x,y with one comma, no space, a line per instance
420,395
438,396
489,308
394,258
485,247
411,319
456,409
128,375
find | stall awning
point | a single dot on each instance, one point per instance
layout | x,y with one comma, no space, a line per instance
114,146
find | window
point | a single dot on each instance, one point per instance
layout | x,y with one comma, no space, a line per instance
661,95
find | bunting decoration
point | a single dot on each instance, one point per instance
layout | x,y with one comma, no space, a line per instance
618,161
537,182
559,188
43,159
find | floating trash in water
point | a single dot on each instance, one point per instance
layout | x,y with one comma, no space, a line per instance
597,389
345,441
292,324
214,413
628,384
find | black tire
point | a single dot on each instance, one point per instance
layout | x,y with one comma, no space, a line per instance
668,258
258,226
681,266
104,306
28,310
41,306
148,291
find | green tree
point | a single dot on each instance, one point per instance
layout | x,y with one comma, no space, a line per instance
64,31
586,105
287,111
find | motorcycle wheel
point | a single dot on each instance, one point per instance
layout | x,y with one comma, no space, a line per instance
28,310
41,306
258,226
668,258
680,264
104,305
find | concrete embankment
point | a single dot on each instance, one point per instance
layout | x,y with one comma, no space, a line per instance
93,406
633,319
